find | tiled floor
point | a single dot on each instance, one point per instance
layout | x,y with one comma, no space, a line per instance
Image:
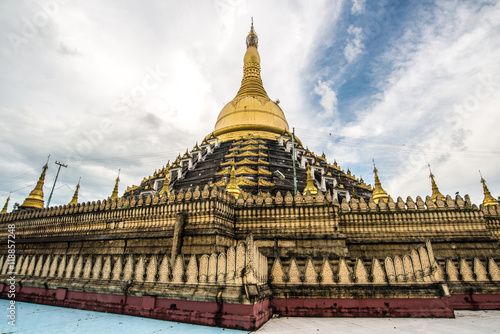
41,319
464,322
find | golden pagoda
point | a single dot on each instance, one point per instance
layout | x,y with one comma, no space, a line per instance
115,189
488,199
310,183
35,198
378,193
74,200
435,191
233,187
4,210
251,112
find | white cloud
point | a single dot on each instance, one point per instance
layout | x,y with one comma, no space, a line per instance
358,6
59,89
328,99
444,64
355,44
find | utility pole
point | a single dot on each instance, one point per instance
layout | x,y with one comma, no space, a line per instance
293,157
57,175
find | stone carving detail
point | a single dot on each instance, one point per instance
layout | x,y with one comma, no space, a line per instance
294,273
96,271
277,273
417,267
204,268
480,271
178,271
344,273
53,266
408,268
106,269
139,270
389,269
360,272
212,268
327,276
164,271
451,271
221,267
192,271
26,263
493,270
87,268
311,276
31,267
117,269
128,269
151,269
231,264
398,267
77,270
46,266
378,274
466,271
69,267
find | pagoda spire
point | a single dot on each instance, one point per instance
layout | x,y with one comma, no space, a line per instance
74,200
232,186
115,189
35,198
435,191
4,210
378,193
310,183
165,188
251,84
488,199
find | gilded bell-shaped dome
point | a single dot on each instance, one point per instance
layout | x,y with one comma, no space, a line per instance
251,112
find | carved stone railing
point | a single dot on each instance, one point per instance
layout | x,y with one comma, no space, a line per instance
238,266
419,267
452,218
123,215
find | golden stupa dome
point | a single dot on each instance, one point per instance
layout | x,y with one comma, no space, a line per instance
251,112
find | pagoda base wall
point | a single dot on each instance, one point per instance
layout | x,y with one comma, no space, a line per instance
363,307
475,301
220,314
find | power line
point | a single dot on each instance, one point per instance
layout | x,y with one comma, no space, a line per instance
380,145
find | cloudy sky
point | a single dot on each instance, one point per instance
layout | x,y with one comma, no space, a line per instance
130,84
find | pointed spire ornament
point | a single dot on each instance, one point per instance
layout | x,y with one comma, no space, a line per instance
378,193
4,210
165,188
74,200
251,84
310,183
435,191
115,190
251,112
35,198
488,199
232,186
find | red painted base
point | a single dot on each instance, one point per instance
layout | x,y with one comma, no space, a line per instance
365,307
237,316
251,317
475,301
